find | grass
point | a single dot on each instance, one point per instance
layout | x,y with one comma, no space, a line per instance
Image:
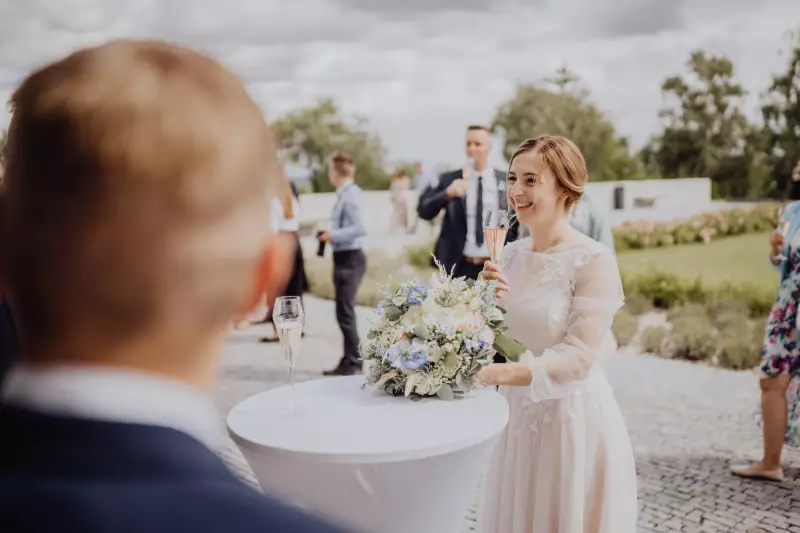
739,259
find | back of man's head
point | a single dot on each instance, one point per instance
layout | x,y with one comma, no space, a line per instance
137,180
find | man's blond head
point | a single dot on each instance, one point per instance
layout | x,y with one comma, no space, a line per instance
137,180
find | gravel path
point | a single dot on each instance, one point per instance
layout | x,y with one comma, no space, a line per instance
687,422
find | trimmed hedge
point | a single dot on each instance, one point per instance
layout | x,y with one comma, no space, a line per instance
701,228
729,339
666,291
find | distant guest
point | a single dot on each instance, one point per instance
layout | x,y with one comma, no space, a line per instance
349,262
591,219
780,357
398,191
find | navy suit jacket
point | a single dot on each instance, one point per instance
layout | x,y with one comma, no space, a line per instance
8,340
63,475
449,248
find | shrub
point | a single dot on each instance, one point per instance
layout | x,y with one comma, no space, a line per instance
740,349
701,228
652,339
666,291
693,338
419,255
637,304
625,327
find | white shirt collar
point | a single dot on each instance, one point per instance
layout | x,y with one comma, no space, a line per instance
115,396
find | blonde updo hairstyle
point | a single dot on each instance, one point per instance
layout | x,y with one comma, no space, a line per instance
564,160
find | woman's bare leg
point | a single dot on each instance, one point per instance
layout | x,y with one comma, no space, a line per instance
774,413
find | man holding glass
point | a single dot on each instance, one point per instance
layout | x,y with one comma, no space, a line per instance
349,262
467,196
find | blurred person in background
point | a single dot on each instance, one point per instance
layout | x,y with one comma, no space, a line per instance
423,179
349,262
591,219
285,216
132,222
398,192
779,372
466,196
8,333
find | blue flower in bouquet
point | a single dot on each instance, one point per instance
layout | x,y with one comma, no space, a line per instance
407,356
475,346
417,294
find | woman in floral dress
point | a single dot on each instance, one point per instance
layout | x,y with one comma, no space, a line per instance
779,415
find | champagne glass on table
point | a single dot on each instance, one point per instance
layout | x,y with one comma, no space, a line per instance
288,318
495,229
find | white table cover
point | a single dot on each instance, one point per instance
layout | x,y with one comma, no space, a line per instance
367,460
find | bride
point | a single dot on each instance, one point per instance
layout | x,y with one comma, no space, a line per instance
564,463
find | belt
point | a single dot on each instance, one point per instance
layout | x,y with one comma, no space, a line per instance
475,260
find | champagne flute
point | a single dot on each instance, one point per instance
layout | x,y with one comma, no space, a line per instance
288,318
495,229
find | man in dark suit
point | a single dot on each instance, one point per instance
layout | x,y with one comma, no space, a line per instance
466,196
135,217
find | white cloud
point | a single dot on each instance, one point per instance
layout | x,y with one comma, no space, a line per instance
420,71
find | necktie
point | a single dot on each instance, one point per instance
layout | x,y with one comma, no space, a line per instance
479,213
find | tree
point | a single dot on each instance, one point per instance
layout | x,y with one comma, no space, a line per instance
536,109
781,112
309,136
705,134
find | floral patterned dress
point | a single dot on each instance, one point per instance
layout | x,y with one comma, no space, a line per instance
781,351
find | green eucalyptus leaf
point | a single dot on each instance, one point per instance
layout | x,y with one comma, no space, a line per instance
445,393
508,347
392,312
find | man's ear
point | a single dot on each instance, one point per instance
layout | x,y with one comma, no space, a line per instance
273,270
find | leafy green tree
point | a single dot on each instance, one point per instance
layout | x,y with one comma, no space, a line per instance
706,133
560,106
309,136
781,113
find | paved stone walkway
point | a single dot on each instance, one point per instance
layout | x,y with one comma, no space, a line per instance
687,423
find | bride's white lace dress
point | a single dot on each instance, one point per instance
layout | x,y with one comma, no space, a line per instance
564,463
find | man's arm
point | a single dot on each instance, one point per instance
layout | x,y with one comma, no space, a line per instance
434,199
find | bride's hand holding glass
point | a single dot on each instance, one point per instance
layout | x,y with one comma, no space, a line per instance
491,271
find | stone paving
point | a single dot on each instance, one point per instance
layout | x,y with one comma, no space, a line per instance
688,423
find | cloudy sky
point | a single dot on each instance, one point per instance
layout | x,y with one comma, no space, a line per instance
420,70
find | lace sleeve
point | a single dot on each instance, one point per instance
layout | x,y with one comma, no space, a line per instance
597,297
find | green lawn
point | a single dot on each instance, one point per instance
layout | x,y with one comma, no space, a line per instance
741,258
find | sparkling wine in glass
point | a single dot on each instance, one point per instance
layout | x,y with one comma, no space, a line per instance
288,318
495,228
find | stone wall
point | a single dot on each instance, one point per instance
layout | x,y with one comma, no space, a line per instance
641,200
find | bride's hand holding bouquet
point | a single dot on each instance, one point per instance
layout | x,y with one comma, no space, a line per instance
510,373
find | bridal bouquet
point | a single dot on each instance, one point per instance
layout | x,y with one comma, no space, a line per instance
431,340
